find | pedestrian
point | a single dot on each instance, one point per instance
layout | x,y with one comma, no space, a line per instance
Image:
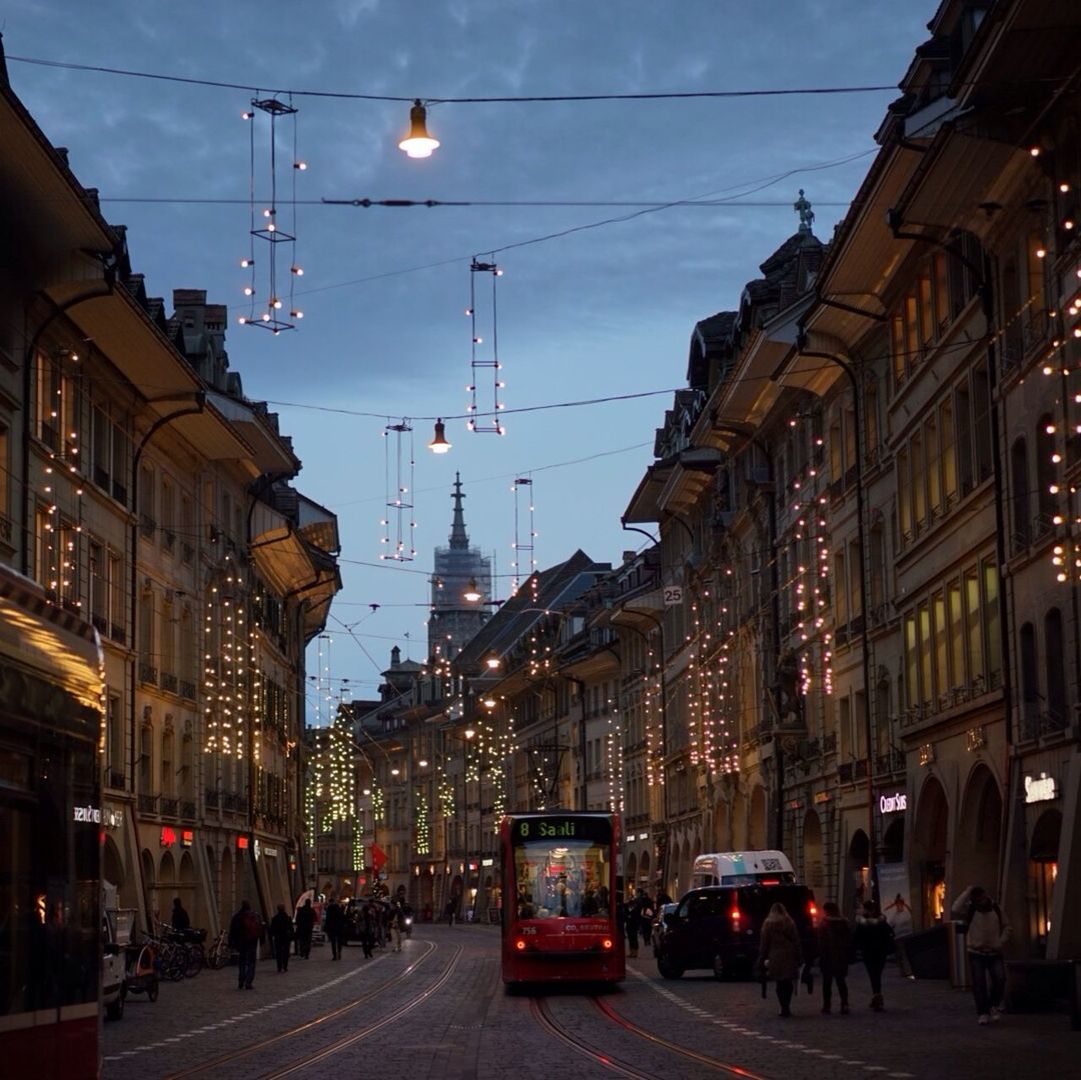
335,928
245,933
986,930
834,947
281,934
630,925
367,929
780,955
305,926
397,920
451,911
180,918
874,940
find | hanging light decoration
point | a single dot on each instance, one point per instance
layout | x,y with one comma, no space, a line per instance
439,443
472,594
399,503
523,550
265,227
483,359
418,143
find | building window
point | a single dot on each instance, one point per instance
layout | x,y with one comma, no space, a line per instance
1030,692
1019,476
167,774
1056,668
97,569
117,616
148,521
115,748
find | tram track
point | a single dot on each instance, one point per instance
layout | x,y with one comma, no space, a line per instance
366,1032
311,1025
542,1013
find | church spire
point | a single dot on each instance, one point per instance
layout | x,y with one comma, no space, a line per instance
458,538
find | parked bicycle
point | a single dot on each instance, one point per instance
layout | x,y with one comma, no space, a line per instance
220,953
182,953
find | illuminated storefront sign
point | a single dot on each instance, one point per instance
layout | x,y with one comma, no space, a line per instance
893,804
168,836
270,852
186,837
86,814
1040,788
242,843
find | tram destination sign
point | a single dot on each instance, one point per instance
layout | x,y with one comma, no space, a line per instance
561,827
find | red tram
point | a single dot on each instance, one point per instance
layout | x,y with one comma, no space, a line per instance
559,909
51,689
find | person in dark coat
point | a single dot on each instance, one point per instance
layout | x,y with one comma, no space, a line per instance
180,916
874,939
245,933
305,926
367,929
335,928
281,934
834,946
780,955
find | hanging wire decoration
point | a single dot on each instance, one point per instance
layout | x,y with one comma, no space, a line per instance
523,552
399,502
482,358
265,234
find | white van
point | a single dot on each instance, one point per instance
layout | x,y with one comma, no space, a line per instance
742,868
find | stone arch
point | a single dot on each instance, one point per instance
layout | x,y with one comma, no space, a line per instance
893,840
739,823
978,832
756,826
643,867
226,904
112,866
927,853
1042,871
814,871
186,890
857,873
721,823
146,861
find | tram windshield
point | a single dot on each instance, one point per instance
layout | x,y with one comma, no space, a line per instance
560,873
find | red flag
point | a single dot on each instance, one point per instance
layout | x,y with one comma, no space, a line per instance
379,858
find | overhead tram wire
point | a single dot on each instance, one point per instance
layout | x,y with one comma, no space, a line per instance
432,204
345,95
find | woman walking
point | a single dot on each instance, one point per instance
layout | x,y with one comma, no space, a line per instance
834,946
780,955
874,939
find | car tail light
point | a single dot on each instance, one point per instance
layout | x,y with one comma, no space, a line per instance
735,916
812,910
607,943
520,944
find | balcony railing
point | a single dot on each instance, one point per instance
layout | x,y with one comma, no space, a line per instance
169,682
116,779
170,807
148,674
187,811
210,798
187,689
148,804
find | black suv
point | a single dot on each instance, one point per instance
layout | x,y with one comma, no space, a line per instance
718,927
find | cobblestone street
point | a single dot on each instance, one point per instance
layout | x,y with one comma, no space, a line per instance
439,1010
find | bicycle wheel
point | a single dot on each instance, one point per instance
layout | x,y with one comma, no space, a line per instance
196,961
173,965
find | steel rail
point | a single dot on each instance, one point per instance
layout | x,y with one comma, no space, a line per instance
308,1025
341,1044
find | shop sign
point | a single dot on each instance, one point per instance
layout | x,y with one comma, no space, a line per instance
643,836
270,852
186,837
1040,788
487,862
794,804
112,819
168,836
893,804
821,797
87,814
242,843
673,594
